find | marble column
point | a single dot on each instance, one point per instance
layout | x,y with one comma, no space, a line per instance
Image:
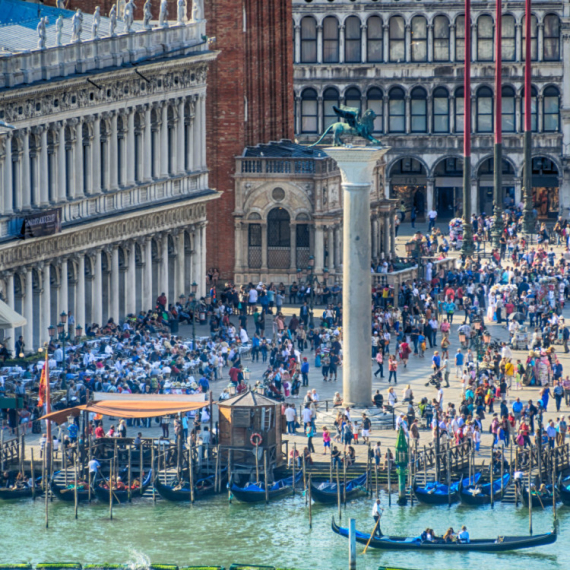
97,297
356,167
190,144
43,177
203,133
386,244
264,247
452,30
123,152
408,42
429,194
319,44
63,287
96,153
319,248
147,299
131,283
392,235
202,274
114,291
45,304
430,43
80,293
78,190
25,184
338,249
131,147
180,126
297,54
293,248
341,38
374,239
196,159
147,145
180,265
62,178
164,265
11,303
329,263
164,142
113,153
29,310
363,43
8,196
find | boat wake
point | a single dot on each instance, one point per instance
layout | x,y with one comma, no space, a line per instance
138,561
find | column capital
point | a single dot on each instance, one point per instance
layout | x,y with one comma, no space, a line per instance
38,129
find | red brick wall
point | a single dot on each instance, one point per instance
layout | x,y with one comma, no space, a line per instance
257,64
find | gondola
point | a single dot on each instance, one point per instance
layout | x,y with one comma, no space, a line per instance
499,544
255,492
327,492
202,488
539,500
564,491
440,494
21,492
68,494
476,495
122,495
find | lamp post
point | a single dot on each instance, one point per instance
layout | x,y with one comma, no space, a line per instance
402,460
312,279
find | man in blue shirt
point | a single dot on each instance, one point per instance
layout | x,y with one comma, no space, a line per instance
204,384
459,361
517,409
305,371
72,429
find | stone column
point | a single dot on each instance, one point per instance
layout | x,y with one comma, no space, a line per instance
180,136
96,157
196,136
319,248
392,235
386,237
202,271
297,54
43,178
430,194
29,311
293,242
45,304
190,144
130,147
264,247
518,42
375,239
203,135
363,42
356,167
338,249
320,115
80,292
147,295
430,43
62,178
8,196
319,44
123,150
11,303
25,158
147,145
386,45
540,114
518,191
408,118
114,290
341,38
180,265
63,287
330,249
164,266
164,142
408,42
113,146
97,298
540,40
78,190
452,42
131,284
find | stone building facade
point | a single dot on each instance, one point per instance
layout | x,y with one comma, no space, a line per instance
108,134
289,206
405,60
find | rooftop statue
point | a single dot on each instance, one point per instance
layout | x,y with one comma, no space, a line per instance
355,126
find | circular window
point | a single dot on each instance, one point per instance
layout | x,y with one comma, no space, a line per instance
278,194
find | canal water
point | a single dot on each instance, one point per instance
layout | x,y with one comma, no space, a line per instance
214,532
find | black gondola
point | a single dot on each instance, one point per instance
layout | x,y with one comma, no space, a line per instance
477,495
564,491
68,494
539,500
24,492
499,544
440,494
121,495
255,492
178,493
327,492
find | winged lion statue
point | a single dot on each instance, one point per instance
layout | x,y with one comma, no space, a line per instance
355,125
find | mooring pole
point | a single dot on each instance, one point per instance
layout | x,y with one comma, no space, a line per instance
352,544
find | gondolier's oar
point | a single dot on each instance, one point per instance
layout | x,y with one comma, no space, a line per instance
373,533
541,503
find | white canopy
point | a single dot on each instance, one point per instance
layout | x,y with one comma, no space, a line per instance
9,318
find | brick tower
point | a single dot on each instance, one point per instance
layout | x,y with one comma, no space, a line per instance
250,100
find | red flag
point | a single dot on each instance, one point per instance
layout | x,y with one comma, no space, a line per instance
44,382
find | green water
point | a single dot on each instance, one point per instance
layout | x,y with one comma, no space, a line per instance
214,532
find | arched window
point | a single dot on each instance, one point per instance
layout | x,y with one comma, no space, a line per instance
352,40
440,38
551,110
533,38
460,38
352,98
330,40
508,119
308,40
484,110
397,39
278,239
309,113
440,110
375,102
330,99
375,39
397,110
459,110
533,109
551,43
508,42
485,33
419,110
419,38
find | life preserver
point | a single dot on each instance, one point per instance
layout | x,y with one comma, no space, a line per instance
256,439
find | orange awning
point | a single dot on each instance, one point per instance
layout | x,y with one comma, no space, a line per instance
127,409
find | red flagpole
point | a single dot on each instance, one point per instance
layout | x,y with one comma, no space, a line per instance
498,75
528,220
527,68
48,400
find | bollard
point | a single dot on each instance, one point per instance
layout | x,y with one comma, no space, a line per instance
352,544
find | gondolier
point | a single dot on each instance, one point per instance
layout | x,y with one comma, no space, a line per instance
377,511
